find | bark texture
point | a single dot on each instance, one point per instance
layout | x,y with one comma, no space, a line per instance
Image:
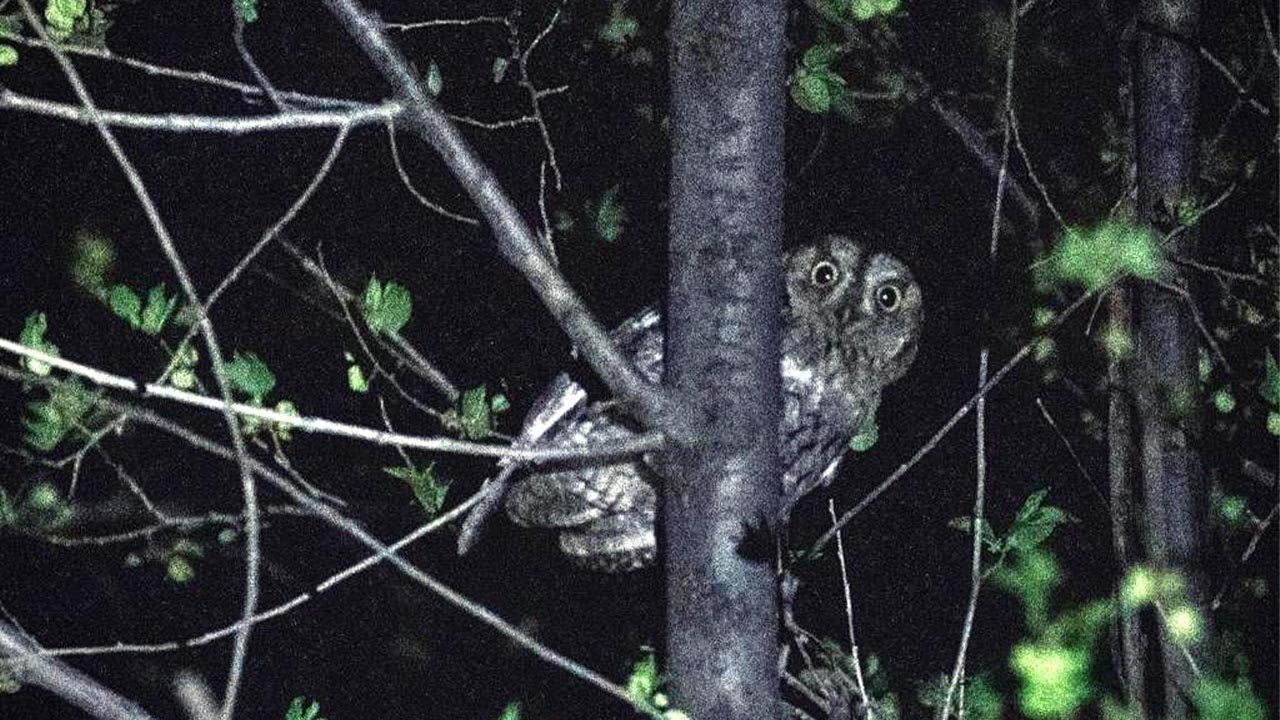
721,497
1175,489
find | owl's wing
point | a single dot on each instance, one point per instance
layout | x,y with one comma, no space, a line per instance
562,398
559,405
640,339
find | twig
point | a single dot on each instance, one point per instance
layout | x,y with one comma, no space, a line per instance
1044,411
248,486
237,35
405,353
182,123
943,431
640,444
202,78
270,234
848,614
276,611
408,183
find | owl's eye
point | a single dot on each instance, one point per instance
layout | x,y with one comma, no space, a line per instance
824,274
888,297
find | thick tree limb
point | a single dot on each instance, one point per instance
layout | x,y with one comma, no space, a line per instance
1165,379
724,310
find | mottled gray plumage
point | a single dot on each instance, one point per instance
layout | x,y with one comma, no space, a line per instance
851,326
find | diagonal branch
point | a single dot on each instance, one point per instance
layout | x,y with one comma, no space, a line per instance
516,240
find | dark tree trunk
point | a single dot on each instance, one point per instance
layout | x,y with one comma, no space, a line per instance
1130,649
722,489
1165,379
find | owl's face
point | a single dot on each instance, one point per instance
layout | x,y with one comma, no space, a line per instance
870,299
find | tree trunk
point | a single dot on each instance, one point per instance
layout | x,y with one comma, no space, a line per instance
720,503
1165,380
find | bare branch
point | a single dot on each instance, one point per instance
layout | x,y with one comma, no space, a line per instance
30,666
180,123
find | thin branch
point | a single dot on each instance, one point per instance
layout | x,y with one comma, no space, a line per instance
181,123
535,96
237,36
448,22
1031,172
405,353
848,614
408,183
1048,418
248,487
271,233
640,444
277,611
202,78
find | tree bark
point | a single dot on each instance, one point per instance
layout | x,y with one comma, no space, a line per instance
1165,381
720,503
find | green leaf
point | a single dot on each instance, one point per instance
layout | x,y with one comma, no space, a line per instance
180,570
356,380
32,336
246,9
63,411
1270,387
1223,401
499,72
1217,699
643,681
620,27
386,308
475,413
429,490
610,215
300,710
1031,577
1273,423
91,261
867,436
499,403
511,711
157,310
435,81
126,304
251,376
1055,679
282,430
820,56
62,14
811,92
8,55
1096,257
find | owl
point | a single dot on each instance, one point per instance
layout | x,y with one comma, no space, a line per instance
851,325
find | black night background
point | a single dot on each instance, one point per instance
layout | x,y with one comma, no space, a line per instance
893,172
